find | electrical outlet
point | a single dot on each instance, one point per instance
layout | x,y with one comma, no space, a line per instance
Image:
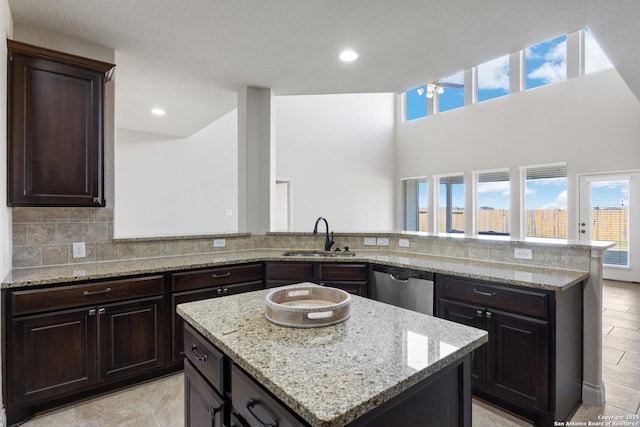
383,241
79,250
403,243
369,241
520,253
219,243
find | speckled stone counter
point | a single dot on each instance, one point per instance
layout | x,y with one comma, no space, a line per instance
519,275
330,376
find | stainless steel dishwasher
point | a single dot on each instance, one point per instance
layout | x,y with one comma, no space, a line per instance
403,287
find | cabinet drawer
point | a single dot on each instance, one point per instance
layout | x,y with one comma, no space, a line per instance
41,300
486,294
216,277
343,272
205,357
255,405
290,271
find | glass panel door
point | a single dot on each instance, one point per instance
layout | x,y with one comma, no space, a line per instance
606,202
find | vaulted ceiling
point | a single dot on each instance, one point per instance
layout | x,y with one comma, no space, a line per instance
192,56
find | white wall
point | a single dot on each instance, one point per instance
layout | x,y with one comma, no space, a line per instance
168,187
6,28
338,152
592,122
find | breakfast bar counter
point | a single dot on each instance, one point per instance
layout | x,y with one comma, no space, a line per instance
352,373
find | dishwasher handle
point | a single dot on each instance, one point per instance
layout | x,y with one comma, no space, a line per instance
398,278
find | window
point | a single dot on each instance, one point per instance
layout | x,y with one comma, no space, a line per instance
493,202
594,57
453,95
415,204
416,103
493,79
610,219
546,62
451,204
545,197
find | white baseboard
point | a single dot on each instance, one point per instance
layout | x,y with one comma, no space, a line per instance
593,395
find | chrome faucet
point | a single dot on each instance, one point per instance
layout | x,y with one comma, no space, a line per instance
328,242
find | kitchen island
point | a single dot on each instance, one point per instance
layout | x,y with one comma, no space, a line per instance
381,364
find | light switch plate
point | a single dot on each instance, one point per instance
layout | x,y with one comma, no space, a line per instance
369,241
521,253
219,243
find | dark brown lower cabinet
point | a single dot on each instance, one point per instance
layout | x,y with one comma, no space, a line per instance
197,285
74,340
131,337
203,406
442,399
350,277
62,352
532,363
53,354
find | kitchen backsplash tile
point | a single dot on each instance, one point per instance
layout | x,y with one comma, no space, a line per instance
44,237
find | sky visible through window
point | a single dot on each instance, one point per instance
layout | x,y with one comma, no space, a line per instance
452,97
493,79
546,194
545,63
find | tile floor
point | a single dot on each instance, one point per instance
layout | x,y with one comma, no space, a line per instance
160,403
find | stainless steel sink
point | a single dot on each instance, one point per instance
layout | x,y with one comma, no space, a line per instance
320,254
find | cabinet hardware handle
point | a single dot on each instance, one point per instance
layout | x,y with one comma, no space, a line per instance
479,313
89,293
250,404
489,315
225,291
92,312
486,294
102,311
219,276
202,358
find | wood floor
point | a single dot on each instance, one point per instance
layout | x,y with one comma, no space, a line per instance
160,403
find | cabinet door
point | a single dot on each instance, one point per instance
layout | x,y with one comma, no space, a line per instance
286,273
131,337
55,134
257,407
178,322
203,407
52,355
469,315
518,356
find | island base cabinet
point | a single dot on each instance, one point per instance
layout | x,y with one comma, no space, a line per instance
203,407
254,406
443,399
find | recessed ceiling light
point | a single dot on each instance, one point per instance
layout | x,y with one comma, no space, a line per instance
348,56
158,112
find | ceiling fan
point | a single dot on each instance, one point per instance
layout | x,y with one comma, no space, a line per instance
438,86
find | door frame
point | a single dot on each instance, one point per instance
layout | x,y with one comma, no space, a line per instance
583,199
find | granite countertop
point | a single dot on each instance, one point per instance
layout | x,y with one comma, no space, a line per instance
519,275
354,366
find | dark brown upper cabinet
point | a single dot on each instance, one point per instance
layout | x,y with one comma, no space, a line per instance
55,127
